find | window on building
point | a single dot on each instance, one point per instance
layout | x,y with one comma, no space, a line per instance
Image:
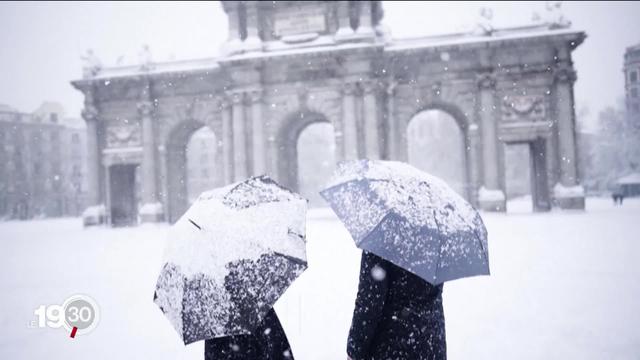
634,92
75,138
205,173
633,76
37,168
55,136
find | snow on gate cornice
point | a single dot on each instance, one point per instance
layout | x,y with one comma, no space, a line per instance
206,64
498,35
395,45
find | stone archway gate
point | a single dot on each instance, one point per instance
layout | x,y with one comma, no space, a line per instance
503,86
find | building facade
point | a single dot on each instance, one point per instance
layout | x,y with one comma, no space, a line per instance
42,165
632,81
288,64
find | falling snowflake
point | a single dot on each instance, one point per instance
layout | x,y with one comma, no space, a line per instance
378,273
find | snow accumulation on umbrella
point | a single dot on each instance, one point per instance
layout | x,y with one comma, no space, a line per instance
406,190
410,218
230,227
230,257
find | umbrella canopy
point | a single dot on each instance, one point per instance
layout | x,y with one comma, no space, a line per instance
230,257
409,218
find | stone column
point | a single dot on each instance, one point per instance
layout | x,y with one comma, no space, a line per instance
491,196
90,115
239,137
105,208
227,141
392,125
568,193
252,42
350,130
273,157
344,24
473,163
151,210
370,114
365,28
257,125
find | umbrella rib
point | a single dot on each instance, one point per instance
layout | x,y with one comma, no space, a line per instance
338,185
293,259
435,219
485,252
300,236
194,224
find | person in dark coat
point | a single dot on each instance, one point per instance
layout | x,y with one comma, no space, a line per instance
397,315
268,342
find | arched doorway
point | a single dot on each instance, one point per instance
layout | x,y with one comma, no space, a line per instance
436,144
316,148
191,163
307,154
202,172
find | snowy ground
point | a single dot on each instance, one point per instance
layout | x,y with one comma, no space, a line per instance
564,285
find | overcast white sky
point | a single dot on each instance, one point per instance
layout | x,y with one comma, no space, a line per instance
41,43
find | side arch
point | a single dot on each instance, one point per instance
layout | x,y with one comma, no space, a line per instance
452,109
176,165
467,144
287,138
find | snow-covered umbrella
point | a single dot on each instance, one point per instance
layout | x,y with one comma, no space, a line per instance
230,257
409,218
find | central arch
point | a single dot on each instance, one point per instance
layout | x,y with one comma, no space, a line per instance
177,170
289,148
438,143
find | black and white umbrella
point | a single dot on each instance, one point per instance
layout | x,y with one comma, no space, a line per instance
409,218
230,257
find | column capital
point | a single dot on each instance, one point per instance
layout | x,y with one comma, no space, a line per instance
486,80
368,86
235,96
390,87
224,102
564,73
255,95
349,88
145,107
89,113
